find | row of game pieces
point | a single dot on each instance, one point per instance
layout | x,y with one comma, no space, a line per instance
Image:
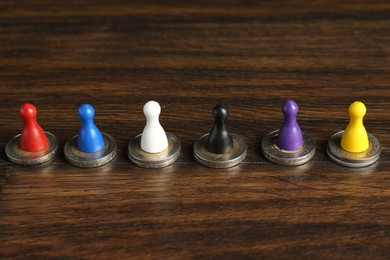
155,148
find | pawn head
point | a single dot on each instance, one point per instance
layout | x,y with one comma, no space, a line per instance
289,108
357,109
220,113
152,109
86,111
28,111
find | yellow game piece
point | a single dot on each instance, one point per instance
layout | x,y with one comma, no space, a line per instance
354,147
355,138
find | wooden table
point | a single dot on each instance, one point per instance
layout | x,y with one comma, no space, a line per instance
248,55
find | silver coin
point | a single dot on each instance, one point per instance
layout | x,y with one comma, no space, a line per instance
288,158
16,155
348,159
88,160
154,160
235,156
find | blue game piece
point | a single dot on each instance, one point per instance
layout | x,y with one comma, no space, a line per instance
90,140
290,134
90,148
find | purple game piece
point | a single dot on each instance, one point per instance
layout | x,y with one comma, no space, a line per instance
290,134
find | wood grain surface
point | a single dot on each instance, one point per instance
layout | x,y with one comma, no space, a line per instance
190,56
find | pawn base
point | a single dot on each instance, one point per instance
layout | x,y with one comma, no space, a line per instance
16,155
348,159
88,160
154,160
235,156
287,158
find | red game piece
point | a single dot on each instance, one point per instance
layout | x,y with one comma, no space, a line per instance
33,146
33,138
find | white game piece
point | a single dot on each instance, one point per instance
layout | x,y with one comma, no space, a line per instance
154,148
154,138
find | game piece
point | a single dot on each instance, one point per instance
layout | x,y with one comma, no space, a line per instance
33,146
220,140
33,138
220,148
90,148
153,148
355,138
353,147
288,146
290,134
153,138
90,140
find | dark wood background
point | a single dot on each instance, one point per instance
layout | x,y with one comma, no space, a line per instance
190,56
